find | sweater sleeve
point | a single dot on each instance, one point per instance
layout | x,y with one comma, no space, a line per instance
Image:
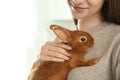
118,67
116,59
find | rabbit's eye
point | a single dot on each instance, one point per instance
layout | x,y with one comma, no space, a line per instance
83,39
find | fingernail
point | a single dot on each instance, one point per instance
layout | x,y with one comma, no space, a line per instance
66,58
69,55
70,47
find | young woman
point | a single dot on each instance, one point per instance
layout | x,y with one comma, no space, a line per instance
101,18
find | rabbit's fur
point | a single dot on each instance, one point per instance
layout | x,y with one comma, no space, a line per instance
80,41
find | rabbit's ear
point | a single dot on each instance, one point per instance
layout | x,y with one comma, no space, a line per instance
62,33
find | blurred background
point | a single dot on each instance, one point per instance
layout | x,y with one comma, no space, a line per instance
24,28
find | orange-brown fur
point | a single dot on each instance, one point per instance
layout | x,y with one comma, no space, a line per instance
58,70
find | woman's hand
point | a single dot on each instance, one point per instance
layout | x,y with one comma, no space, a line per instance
54,51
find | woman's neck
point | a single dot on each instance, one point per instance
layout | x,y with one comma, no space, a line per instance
88,23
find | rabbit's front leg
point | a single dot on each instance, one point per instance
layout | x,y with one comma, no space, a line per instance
93,61
84,62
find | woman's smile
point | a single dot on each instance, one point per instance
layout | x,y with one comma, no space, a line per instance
78,9
85,9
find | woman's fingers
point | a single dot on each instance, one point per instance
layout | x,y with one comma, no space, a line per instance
55,51
55,54
48,58
59,44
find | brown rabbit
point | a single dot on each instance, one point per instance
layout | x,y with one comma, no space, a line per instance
80,41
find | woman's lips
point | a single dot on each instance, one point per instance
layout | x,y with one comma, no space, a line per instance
78,9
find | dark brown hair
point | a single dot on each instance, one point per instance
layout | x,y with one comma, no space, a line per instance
110,11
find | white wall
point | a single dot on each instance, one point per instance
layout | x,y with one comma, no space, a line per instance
18,29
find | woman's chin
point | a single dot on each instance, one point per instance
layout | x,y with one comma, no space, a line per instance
78,17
